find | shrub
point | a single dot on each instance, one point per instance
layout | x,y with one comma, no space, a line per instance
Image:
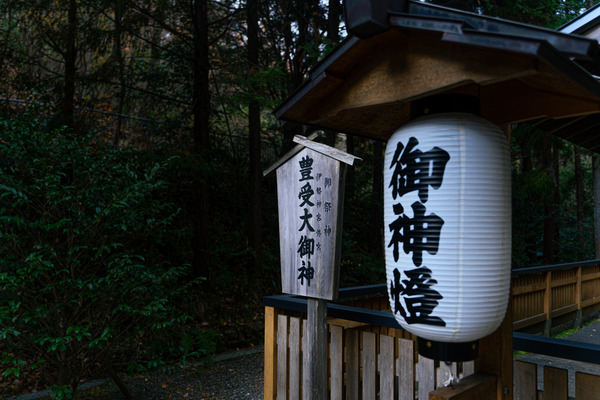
82,284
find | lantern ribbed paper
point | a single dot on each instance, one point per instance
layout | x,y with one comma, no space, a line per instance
447,213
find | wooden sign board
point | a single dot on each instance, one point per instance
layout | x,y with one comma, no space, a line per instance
310,199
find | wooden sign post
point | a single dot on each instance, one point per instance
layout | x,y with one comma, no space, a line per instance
310,191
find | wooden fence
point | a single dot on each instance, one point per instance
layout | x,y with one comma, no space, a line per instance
556,385
363,362
371,357
543,295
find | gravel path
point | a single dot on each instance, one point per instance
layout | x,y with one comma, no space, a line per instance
237,378
234,376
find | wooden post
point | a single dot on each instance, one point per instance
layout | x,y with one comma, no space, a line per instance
495,356
316,350
579,312
548,303
270,353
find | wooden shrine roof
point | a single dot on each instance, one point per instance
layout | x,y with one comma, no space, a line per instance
369,85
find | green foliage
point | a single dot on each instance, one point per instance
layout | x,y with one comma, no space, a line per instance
83,280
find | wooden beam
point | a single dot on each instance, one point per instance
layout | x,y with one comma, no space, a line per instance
565,281
525,322
315,352
534,287
329,151
589,277
590,302
495,357
563,310
500,104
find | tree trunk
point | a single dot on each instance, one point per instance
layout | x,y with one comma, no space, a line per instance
118,56
376,215
333,22
255,214
70,65
556,196
527,166
579,201
549,206
201,109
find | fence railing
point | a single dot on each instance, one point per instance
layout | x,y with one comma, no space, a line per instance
550,293
371,356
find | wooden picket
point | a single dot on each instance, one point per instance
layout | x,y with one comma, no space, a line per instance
556,385
362,364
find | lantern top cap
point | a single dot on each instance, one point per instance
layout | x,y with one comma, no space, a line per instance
304,142
400,53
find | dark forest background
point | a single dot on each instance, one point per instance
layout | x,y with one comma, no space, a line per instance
137,228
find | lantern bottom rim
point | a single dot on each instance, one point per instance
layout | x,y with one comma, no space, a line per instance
450,352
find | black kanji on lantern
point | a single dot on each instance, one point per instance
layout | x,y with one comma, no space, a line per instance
418,295
417,170
418,234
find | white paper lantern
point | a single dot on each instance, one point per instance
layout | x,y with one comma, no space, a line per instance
447,212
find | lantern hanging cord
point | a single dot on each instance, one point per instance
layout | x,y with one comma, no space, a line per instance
452,379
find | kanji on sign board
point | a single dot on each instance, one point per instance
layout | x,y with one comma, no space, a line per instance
310,185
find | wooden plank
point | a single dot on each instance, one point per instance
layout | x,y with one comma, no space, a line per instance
336,362
369,371
316,350
425,376
346,324
525,380
292,152
564,282
385,364
563,310
534,287
329,151
468,368
587,387
477,386
270,385
590,302
405,369
555,383
282,357
589,277
352,364
295,362
525,322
